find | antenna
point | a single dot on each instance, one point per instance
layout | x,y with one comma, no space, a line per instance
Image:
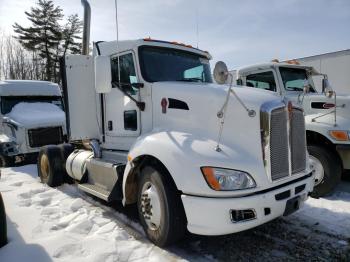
117,32
197,30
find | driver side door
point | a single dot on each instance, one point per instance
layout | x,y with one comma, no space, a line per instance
122,116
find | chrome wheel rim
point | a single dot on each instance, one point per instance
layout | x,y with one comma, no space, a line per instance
44,167
150,206
317,169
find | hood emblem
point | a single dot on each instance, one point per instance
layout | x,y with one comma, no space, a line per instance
290,109
164,104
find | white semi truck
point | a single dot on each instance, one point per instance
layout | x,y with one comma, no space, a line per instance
146,125
31,116
326,115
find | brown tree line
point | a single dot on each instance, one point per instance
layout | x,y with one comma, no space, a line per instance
33,52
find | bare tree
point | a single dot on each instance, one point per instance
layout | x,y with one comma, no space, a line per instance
18,63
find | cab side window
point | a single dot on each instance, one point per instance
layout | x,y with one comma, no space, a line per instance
265,80
127,70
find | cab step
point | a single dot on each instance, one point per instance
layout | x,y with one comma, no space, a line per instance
95,190
103,179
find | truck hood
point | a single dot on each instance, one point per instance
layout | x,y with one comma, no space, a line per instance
193,108
316,104
36,115
215,94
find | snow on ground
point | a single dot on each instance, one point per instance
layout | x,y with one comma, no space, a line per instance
65,224
331,214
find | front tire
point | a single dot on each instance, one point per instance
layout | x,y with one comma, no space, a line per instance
50,166
159,206
328,170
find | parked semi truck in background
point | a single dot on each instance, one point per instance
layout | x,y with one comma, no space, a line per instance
31,116
146,125
327,115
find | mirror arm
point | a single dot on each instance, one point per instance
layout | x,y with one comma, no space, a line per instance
139,104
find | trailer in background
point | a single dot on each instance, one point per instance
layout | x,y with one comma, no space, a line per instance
335,64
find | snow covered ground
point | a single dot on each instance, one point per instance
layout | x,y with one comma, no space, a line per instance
65,224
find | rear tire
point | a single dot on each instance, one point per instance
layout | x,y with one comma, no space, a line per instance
3,225
160,208
50,166
6,161
66,150
332,170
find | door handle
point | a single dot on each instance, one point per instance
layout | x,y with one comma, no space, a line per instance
110,125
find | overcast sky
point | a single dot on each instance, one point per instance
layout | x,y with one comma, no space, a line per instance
235,31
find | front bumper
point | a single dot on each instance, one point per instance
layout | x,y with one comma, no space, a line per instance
344,153
212,216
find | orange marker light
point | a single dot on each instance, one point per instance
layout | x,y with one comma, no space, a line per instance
208,173
339,135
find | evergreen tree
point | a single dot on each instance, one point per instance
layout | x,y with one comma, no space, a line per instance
70,34
45,34
47,37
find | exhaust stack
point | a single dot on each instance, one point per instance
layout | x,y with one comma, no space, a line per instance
86,27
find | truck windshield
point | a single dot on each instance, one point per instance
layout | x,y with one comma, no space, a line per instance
294,79
8,102
167,64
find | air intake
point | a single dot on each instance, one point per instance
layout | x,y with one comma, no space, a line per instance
242,215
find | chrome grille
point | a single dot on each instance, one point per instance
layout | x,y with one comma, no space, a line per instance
298,141
279,148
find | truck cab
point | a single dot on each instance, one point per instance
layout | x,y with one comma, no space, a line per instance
147,126
326,115
31,116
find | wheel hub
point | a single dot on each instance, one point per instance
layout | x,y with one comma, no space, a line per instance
44,167
150,206
318,169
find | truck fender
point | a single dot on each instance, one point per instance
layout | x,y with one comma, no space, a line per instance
180,152
322,125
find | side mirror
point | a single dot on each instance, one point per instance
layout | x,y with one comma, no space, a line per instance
324,85
220,72
326,88
103,74
306,88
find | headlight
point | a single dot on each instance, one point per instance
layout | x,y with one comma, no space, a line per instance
221,179
339,135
